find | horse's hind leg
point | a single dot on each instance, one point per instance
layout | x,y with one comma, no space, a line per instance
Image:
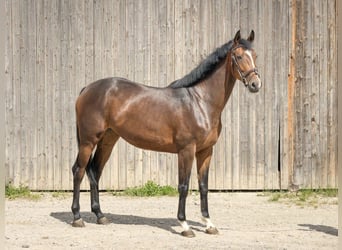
78,169
94,171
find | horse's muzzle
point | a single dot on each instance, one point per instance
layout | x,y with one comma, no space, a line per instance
255,85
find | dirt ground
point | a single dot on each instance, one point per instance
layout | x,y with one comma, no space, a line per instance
245,221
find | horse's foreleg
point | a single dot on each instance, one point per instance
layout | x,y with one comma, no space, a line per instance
94,171
78,171
185,160
203,160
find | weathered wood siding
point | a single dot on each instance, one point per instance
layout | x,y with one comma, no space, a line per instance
284,135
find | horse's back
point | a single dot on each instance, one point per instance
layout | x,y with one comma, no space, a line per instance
102,85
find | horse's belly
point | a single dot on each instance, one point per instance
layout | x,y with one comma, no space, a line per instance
146,139
155,145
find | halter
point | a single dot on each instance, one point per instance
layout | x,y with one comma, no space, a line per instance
242,74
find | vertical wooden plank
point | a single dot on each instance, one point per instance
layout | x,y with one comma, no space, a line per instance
56,94
275,108
40,78
89,41
332,96
307,85
259,100
32,92
323,147
48,99
98,23
290,124
298,97
12,99
283,93
253,108
267,89
65,67
259,42
24,96
9,94
179,71
317,19
68,75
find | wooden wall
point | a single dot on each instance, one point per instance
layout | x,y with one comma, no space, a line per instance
283,136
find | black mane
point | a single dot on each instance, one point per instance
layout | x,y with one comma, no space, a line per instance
207,66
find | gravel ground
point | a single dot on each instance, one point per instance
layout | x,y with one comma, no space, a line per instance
244,220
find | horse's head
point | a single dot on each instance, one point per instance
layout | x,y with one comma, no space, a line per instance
243,65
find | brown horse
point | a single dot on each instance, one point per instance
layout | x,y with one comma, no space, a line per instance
182,118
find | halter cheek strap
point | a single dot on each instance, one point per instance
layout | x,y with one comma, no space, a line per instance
243,75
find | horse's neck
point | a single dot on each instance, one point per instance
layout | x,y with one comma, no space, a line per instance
216,89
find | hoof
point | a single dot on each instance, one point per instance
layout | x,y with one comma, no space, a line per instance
189,233
212,230
102,221
78,223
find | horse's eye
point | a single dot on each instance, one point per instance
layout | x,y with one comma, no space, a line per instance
239,57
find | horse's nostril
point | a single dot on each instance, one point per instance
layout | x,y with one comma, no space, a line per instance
253,87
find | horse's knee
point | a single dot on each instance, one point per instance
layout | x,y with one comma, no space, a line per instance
183,189
203,188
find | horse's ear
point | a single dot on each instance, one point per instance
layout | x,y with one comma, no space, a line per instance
251,36
237,37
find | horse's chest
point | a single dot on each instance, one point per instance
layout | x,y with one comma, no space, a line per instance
209,137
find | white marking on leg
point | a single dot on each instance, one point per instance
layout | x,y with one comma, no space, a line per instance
208,222
184,225
250,56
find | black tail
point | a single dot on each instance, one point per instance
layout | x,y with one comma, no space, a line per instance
77,136
82,90
77,130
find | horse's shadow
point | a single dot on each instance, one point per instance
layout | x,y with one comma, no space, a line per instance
320,228
122,219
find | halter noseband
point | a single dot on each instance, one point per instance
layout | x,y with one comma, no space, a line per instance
242,74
